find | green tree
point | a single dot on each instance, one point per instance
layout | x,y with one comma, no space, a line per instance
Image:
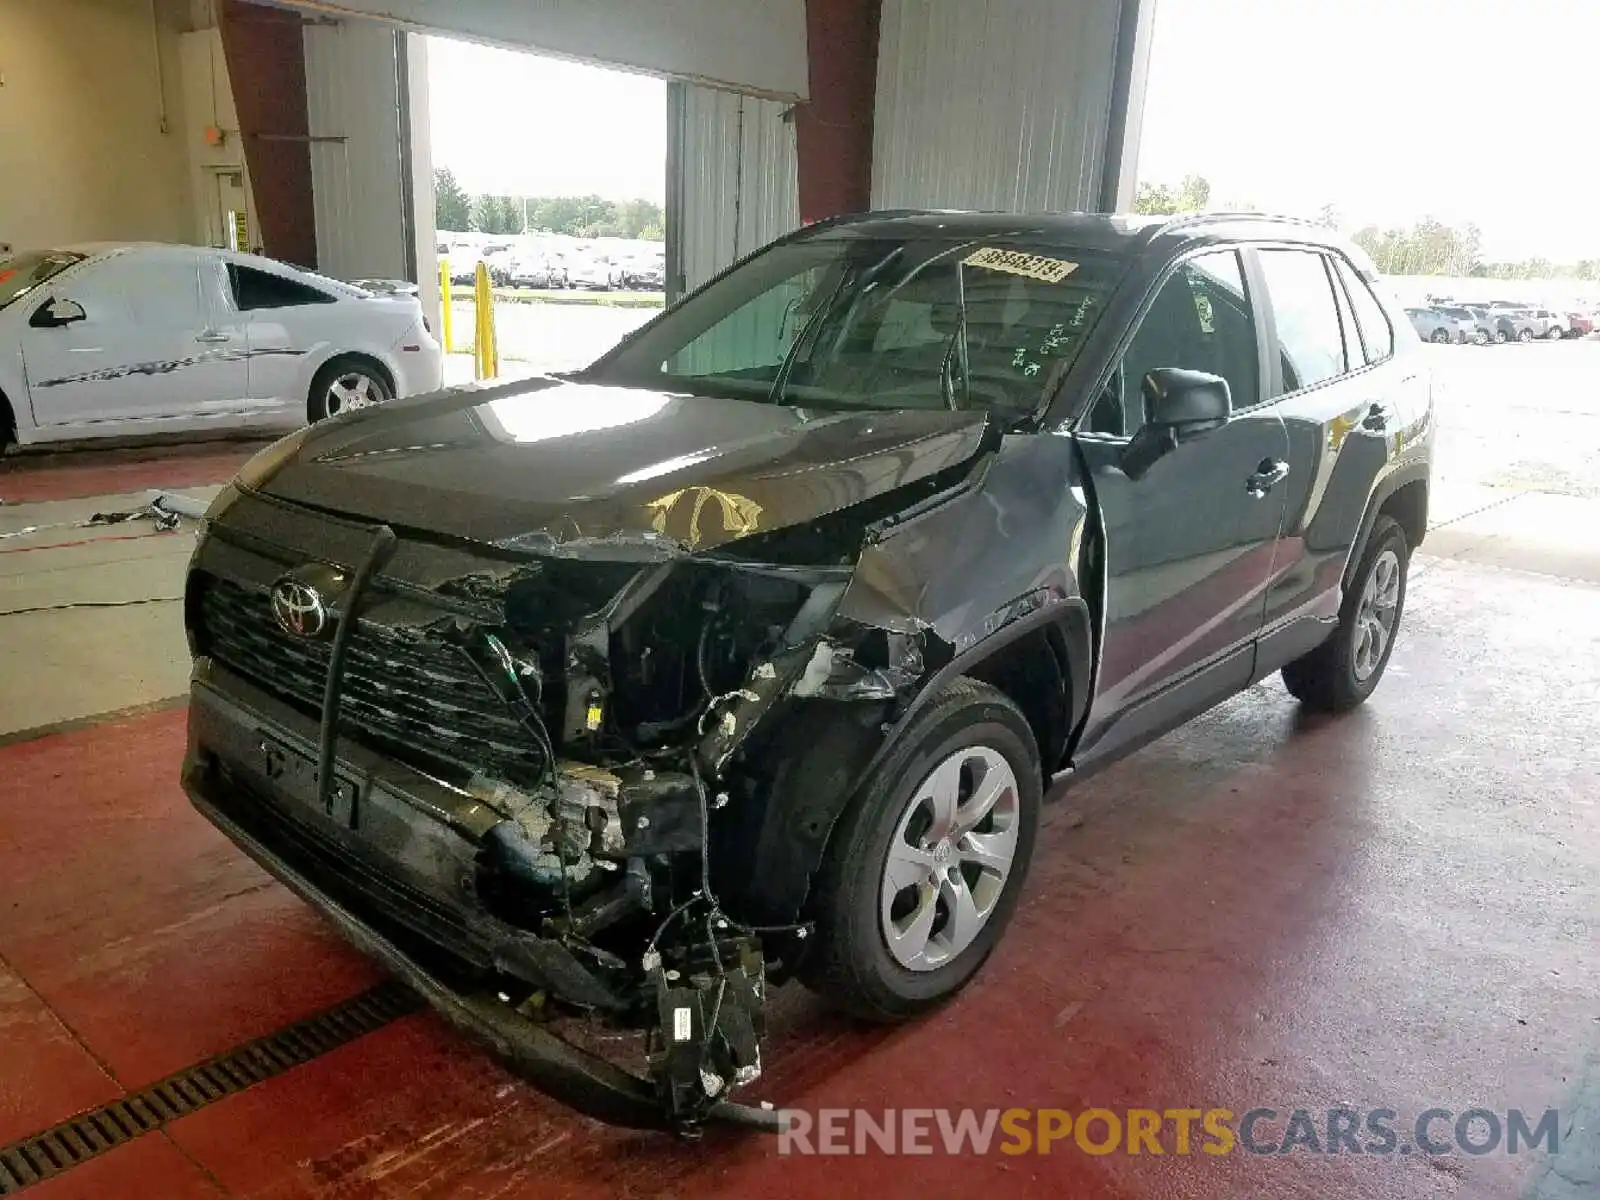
452,207
510,214
636,216
1192,195
487,215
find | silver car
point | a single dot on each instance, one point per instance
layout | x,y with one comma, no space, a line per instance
1475,325
1435,326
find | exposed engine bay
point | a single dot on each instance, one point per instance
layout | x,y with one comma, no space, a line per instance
639,684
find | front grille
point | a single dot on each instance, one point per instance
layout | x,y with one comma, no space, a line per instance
407,694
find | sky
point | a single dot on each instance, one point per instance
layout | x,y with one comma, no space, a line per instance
1470,110
520,124
1478,111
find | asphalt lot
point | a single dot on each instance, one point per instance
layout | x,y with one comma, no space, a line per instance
1524,417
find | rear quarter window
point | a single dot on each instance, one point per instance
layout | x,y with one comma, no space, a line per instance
254,290
1377,335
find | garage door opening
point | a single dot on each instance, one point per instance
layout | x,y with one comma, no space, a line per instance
552,174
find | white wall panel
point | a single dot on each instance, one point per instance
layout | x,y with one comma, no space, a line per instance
752,45
353,97
738,185
993,104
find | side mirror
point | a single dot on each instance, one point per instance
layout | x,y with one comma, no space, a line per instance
1179,406
56,313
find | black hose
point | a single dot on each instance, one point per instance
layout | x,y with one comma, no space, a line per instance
382,549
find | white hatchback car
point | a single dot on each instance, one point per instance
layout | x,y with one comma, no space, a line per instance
114,340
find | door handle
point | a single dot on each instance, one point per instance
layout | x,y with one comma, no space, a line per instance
1269,473
1377,419
214,337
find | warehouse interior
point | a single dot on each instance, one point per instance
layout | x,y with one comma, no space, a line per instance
1266,909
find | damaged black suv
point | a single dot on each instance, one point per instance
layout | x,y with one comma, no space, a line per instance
747,653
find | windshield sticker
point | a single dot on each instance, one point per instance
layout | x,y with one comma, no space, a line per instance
1015,262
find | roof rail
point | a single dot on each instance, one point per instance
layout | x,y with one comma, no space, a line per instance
1182,220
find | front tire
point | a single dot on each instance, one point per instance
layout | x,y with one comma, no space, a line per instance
1441,336
1524,335
1343,671
923,871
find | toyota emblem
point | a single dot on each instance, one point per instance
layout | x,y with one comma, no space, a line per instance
299,608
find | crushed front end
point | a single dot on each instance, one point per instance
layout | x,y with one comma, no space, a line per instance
541,769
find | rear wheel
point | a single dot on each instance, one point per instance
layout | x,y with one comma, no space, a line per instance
924,869
344,385
1525,335
1554,334
1342,672
1501,336
1441,335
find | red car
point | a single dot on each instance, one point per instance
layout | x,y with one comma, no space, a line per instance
1579,324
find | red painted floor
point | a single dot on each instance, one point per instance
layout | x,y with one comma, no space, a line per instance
29,478
1396,909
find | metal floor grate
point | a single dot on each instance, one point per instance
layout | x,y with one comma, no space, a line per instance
76,1140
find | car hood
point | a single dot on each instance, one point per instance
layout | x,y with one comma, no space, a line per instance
555,466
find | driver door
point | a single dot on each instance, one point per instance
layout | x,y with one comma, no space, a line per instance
143,350
1190,543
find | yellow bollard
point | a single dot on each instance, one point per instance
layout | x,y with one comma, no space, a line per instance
446,318
485,354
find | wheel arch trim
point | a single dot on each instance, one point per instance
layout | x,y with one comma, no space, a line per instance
786,848
1382,492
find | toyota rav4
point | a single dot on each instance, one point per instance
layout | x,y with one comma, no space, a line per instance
748,652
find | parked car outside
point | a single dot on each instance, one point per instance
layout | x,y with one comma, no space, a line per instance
464,266
592,272
748,652
108,339
1433,325
1579,324
1551,323
533,271
1507,324
1475,324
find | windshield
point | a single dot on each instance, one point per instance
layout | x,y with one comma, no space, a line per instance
853,322
27,269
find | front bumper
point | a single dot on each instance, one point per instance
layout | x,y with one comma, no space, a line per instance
379,899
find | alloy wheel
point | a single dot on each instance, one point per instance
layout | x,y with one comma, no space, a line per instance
949,859
1380,603
350,391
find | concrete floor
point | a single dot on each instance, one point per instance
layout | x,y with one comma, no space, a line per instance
1396,909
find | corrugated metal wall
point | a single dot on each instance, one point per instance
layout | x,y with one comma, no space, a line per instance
353,93
993,104
736,185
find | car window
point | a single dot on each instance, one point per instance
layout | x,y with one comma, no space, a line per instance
22,272
1377,335
254,290
151,291
1310,346
1354,357
1200,320
854,322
